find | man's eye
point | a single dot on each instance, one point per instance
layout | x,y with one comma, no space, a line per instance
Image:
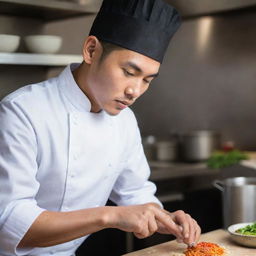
146,81
127,73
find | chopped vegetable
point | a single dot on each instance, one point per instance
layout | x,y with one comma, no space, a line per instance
224,159
248,230
205,249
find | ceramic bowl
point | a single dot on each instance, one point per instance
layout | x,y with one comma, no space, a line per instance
43,43
245,240
9,43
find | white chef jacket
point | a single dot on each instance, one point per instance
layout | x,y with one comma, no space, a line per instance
56,155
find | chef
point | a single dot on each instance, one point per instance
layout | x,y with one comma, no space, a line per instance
70,143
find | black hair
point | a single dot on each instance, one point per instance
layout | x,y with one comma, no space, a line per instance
108,48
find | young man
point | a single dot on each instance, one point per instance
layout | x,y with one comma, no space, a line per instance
71,143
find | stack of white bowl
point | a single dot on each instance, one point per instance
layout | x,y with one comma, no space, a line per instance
9,43
43,44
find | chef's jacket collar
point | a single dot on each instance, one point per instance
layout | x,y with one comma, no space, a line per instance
72,91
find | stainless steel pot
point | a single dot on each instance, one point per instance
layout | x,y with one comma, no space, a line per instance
238,199
166,150
197,146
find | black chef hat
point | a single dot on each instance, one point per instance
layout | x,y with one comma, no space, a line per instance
143,26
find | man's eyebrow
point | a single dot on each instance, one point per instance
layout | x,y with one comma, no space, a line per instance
138,69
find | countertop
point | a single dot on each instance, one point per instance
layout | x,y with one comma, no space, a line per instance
221,237
163,171
166,170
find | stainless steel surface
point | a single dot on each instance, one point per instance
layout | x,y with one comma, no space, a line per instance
166,150
197,146
189,8
238,199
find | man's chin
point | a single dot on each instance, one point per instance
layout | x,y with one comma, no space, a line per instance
112,112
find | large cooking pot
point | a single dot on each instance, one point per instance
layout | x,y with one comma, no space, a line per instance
198,145
238,199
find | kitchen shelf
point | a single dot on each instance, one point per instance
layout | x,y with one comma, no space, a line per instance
166,170
47,9
192,8
38,59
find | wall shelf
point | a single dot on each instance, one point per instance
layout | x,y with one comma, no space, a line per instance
38,59
47,9
192,8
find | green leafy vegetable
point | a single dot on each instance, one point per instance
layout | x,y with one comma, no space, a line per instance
224,159
248,230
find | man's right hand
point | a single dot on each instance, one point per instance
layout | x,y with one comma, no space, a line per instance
144,220
52,228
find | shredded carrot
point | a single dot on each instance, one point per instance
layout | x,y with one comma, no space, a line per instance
205,249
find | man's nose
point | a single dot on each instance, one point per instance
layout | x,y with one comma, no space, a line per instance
133,91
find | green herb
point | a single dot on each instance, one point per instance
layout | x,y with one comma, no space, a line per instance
224,159
248,230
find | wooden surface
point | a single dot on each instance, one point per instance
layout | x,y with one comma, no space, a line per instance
219,236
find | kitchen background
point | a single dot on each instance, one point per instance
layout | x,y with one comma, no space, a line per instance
207,81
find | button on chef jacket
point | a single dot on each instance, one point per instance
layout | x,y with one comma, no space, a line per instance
56,155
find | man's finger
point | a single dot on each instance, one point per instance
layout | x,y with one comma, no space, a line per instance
180,218
192,232
152,225
198,232
168,223
138,235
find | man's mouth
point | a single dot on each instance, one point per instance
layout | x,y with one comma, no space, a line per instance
123,104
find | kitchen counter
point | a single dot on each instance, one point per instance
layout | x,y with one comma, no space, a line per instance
165,170
219,236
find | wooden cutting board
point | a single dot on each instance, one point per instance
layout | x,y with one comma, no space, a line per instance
219,236
251,154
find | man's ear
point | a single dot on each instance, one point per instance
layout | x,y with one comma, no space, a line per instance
90,48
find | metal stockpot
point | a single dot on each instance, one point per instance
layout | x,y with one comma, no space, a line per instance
198,146
238,199
166,150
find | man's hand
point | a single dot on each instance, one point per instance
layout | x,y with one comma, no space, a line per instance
191,231
144,220
52,228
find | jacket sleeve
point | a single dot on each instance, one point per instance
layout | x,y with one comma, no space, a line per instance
18,184
133,185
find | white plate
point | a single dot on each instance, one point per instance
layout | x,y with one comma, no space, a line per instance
246,240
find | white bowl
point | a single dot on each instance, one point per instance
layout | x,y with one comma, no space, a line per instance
43,43
9,43
246,240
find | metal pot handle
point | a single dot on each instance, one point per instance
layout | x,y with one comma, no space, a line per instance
219,185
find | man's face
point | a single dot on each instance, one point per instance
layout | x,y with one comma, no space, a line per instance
119,79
